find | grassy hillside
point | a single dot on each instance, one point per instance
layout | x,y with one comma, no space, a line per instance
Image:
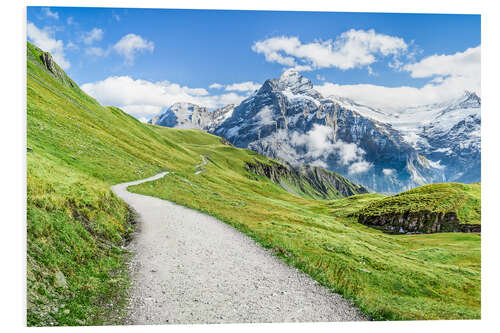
464,199
388,276
76,226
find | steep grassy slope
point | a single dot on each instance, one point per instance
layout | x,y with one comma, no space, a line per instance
76,226
306,180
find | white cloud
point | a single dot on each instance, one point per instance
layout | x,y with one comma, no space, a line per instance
47,12
353,48
320,164
320,144
143,119
70,20
265,116
129,45
450,76
388,172
243,86
92,36
95,51
436,164
142,98
216,85
46,42
72,46
467,63
359,167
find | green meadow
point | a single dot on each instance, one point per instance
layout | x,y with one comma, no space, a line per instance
77,228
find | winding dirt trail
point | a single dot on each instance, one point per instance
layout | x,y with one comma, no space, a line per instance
191,268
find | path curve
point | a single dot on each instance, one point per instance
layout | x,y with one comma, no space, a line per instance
191,268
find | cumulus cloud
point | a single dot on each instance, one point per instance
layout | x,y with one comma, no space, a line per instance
129,45
359,167
216,85
47,12
265,116
45,40
320,144
352,49
449,76
243,86
92,36
388,172
142,98
460,64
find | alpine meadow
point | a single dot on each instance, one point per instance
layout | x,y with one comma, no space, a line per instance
378,206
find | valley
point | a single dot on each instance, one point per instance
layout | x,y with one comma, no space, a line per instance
288,202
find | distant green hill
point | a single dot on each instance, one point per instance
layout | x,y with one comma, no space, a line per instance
76,266
429,208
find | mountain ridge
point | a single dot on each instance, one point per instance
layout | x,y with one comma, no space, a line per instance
389,151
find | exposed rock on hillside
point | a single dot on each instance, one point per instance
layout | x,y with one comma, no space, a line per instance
449,207
307,180
50,64
422,222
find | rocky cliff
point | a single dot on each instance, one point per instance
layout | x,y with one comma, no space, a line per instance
306,180
418,222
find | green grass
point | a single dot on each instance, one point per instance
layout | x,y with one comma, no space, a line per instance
464,199
389,276
76,226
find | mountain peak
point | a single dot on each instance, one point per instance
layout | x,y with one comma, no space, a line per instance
472,97
183,105
291,80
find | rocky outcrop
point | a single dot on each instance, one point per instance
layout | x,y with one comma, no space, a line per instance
308,180
418,222
50,64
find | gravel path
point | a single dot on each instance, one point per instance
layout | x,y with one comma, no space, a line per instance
191,268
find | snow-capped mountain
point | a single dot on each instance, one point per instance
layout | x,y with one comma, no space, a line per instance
383,150
448,134
188,115
288,119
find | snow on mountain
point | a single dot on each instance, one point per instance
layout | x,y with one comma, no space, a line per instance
188,115
288,119
448,134
382,149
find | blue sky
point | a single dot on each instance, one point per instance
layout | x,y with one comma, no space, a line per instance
385,60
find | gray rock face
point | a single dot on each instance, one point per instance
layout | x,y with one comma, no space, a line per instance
308,181
421,222
287,119
456,144
385,151
51,65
